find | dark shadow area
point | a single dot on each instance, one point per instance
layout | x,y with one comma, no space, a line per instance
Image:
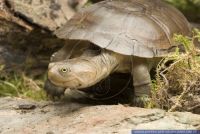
115,89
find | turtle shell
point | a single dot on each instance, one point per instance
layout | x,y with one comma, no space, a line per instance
143,28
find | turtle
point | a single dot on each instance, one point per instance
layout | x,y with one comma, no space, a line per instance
132,36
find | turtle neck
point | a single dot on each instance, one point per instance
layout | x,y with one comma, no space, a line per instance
105,64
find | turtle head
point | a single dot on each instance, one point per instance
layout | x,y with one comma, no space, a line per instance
72,73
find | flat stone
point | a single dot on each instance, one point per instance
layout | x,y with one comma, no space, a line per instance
70,117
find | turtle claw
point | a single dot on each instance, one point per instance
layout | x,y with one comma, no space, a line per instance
53,92
140,101
53,98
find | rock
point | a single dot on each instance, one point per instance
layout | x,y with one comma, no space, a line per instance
10,57
49,14
71,117
25,107
26,33
23,46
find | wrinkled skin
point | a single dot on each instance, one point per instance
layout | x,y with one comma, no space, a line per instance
89,69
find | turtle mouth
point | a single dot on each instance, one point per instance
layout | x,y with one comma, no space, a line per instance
61,83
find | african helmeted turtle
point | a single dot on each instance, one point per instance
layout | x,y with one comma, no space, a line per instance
133,36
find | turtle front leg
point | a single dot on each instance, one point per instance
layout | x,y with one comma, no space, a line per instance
53,91
141,82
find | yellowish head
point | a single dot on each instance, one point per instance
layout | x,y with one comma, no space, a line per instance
72,73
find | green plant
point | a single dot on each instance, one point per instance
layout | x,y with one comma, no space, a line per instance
19,85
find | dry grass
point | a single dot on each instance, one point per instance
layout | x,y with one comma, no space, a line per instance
177,86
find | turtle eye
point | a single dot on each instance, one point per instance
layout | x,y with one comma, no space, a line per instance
64,70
